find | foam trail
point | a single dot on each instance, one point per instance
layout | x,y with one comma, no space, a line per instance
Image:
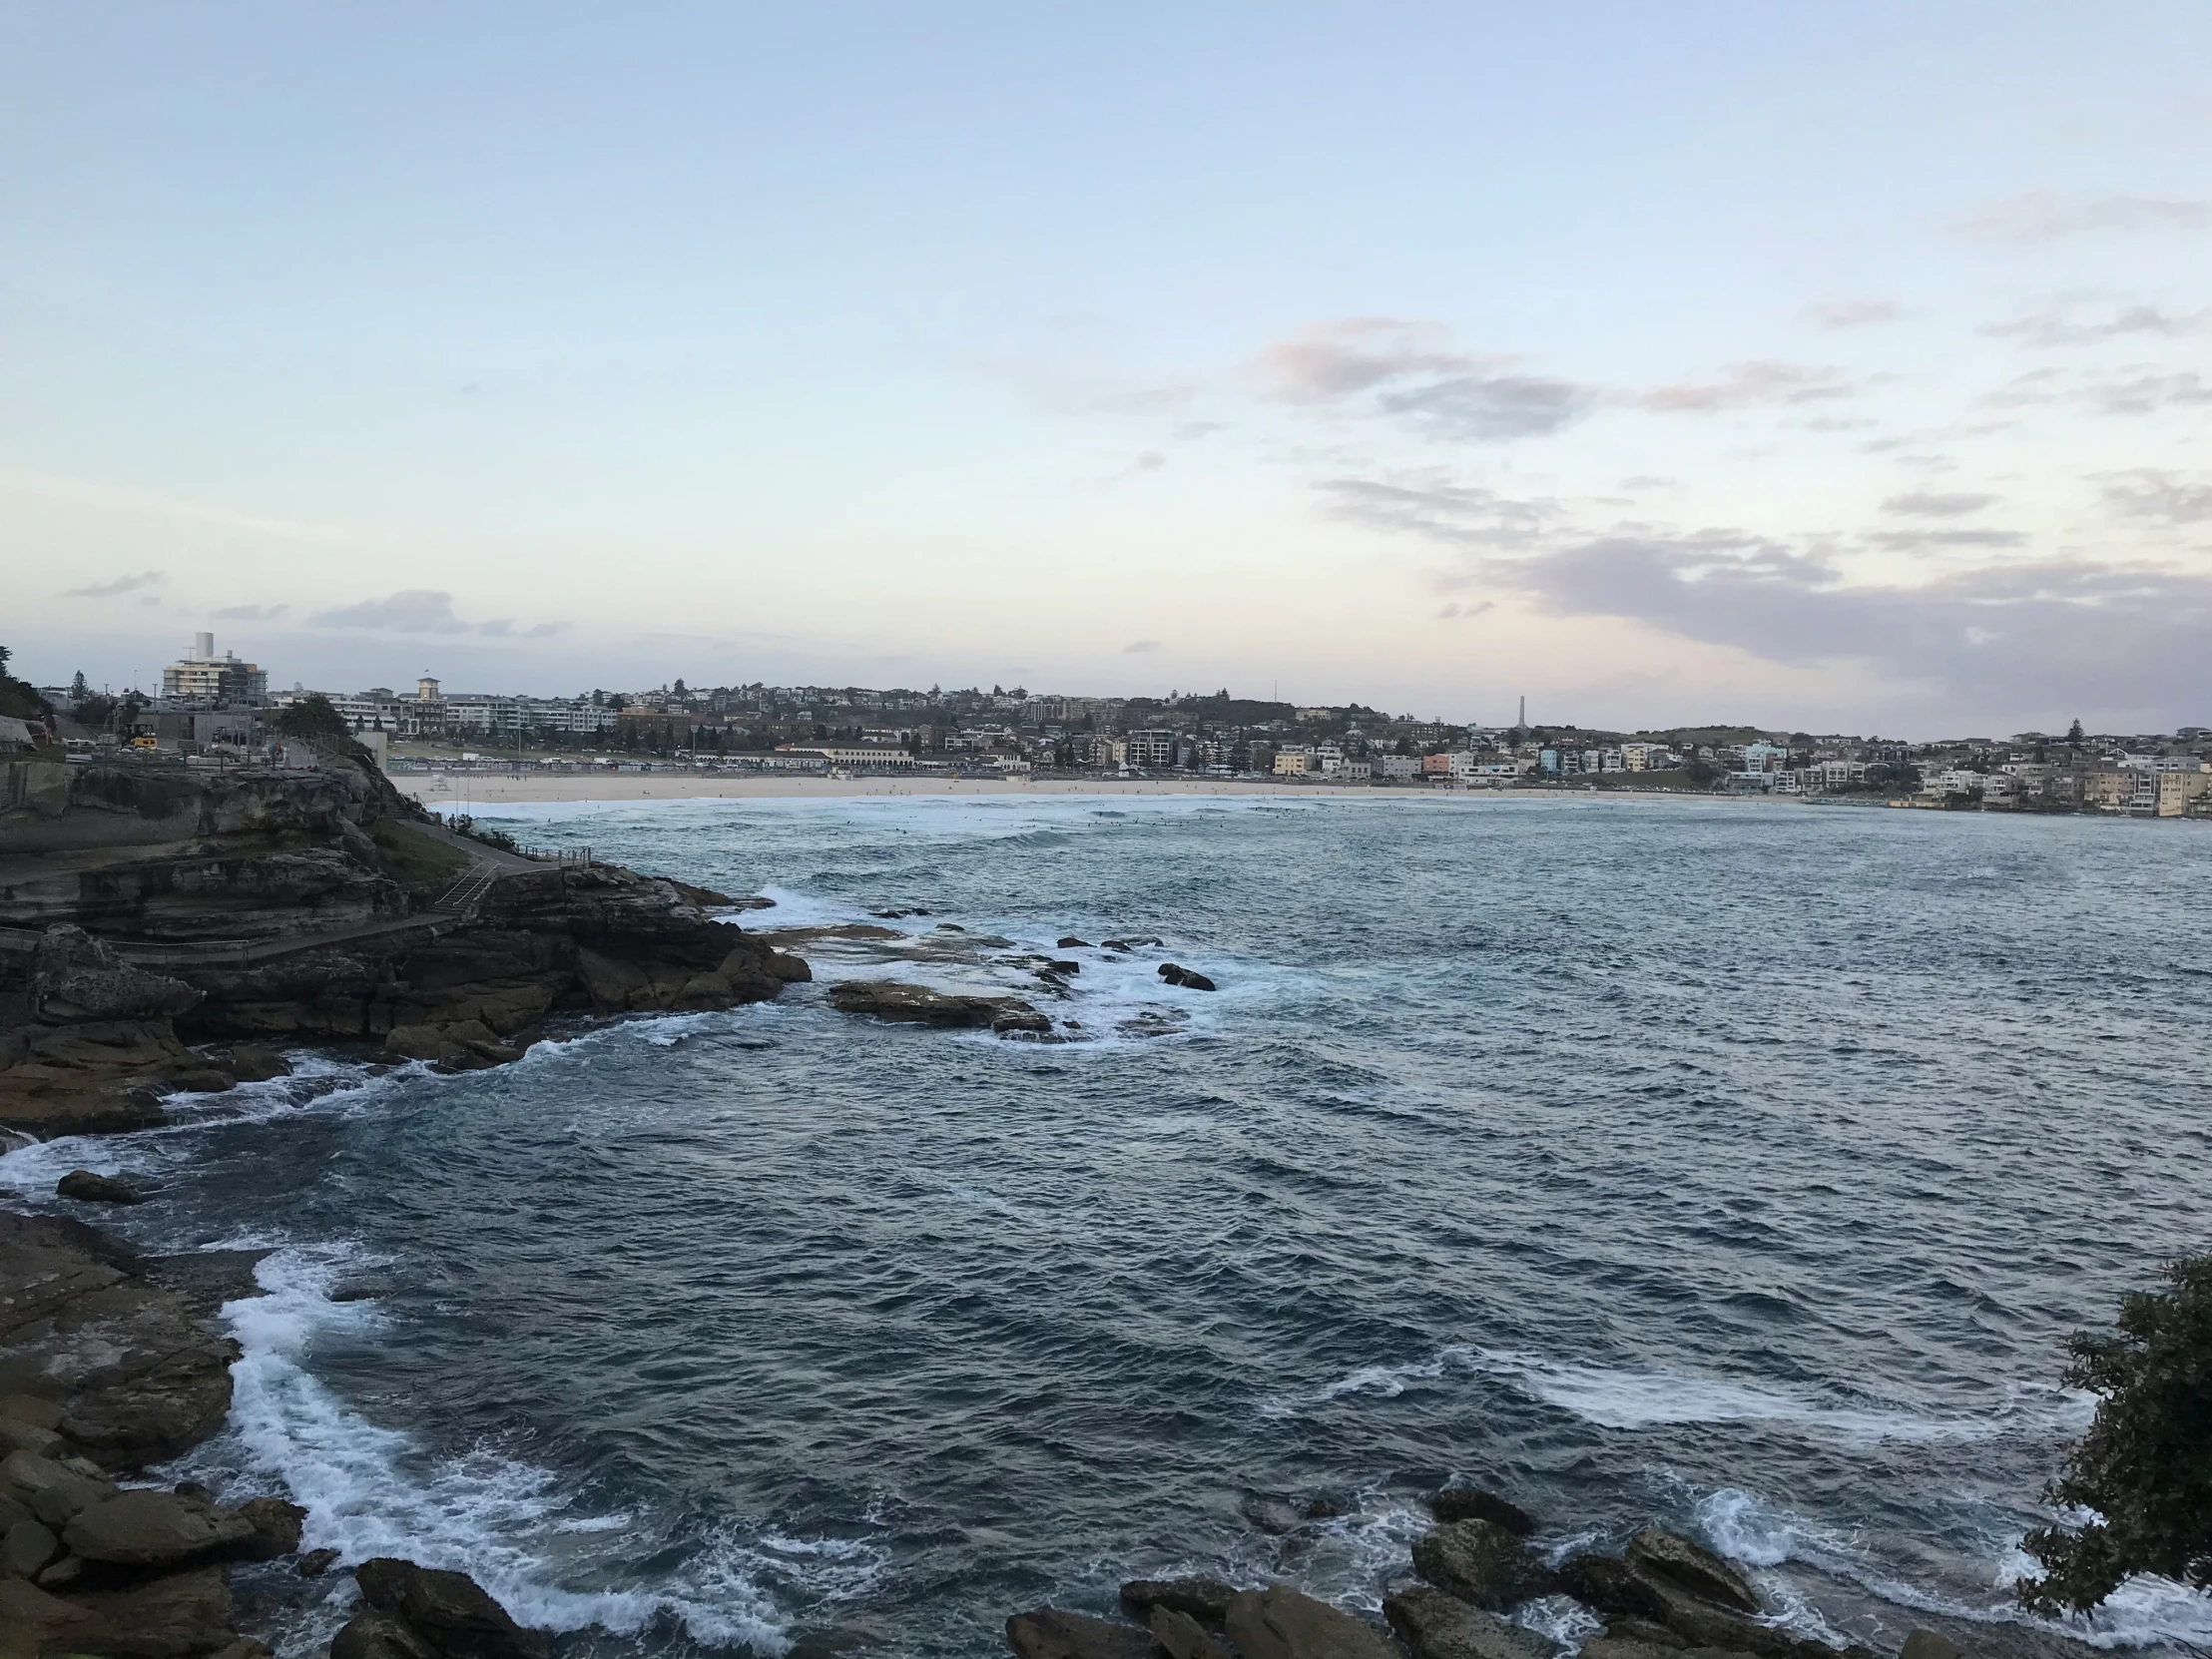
370,1490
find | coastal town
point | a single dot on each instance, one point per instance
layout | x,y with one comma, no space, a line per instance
213,707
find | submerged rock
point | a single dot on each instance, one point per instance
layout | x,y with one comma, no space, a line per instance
902,1003
1071,942
1480,1561
1176,974
87,1188
1456,1503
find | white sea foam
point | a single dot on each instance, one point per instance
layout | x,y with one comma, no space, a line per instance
1614,1397
371,1490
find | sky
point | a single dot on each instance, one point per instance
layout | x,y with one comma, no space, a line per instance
1831,366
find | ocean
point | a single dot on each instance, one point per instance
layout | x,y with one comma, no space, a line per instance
1739,1167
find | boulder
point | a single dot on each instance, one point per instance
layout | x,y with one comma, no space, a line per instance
178,1616
1183,1636
1610,1586
26,1547
75,976
448,1611
52,1493
1176,974
1693,1568
87,1188
251,1064
1055,1633
145,1529
373,1635
1204,1600
1610,1646
36,1619
1923,1643
1438,1625
791,970
1456,1503
1279,1623
1644,1631
1480,1561
275,1528
902,1003
1071,942
316,1562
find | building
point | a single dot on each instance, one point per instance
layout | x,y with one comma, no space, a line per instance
1151,749
848,753
1291,762
205,676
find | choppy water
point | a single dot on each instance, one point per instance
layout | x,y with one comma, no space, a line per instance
1739,1166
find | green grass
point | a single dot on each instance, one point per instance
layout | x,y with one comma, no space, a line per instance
414,859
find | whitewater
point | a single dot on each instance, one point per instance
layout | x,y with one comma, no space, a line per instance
1737,1167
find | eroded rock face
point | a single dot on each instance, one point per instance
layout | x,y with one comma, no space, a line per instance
86,1186
1438,1625
1455,1503
1279,1623
75,976
1692,1567
448,1611
901,1003
1204,1600
1053,1633
145,1528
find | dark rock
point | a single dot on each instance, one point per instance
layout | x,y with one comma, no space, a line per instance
316,1562
1053,1633
1183,1636
1270,1514
1645,1631
1455,1503
254,1064
1176,974
374,1635
176,1616
1692,1567
1610,1646
1480,1561
26,1547
1279,1623
52,1493
87,1188
1071,942
145,1528
1610,1586
1064,967
1438,1625
275,1527
449,1610
1204,1600
1923,1643
896,1001
75,976
791,970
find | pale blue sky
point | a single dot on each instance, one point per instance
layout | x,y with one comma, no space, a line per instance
1832,365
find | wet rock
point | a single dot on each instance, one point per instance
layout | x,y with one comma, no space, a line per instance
1071,942
1923,1643
173,1617
1610,1646
1204,1600
1053,1633
1279,1623
251,1064
1270,1514
1645,1631
372,1635
1064,967
143,1528
901,1003
316,1562
1480,1561
1439,1625
1610,1586
1183,1636
791,970
1176,974
87,1188
448,1611
275,1528
1692,1567
1455,1503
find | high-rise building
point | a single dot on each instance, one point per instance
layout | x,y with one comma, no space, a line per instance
225,680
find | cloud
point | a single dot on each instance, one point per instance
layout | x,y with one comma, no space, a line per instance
1137,648
1456,609
2056,329
544,629
119,586
411,611
2148,393
1442,393
1427,505
1936,503
1151,461
505,627
2148,494
2044,215
1854,313
250,613
1745,385
1917,540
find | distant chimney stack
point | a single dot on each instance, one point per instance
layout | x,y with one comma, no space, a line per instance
203,647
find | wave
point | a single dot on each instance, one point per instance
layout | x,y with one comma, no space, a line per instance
1613,1397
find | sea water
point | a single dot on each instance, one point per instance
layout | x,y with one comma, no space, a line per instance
1736,1167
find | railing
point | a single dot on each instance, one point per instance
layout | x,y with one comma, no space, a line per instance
580,855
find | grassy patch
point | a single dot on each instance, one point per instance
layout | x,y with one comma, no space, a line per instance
414,859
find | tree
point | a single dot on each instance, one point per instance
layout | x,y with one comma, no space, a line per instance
314,717
77,689
2074,734
2145,1467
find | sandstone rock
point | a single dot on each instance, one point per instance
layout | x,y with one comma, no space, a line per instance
316,1562
900,1002
177,1616
255,1064
26,1547
448,1611
52,1492
145,1529
75,976
276,1526
1610,1586
791,970
1479,1561
1438,1625
1053,1633
1279,1623
1923,1643
373,1635
1693,1568
87,1188
1456,1503
1183,1636
1204,1600
1610,1646
17,1436
1644,1631
1700,1623
35,1619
